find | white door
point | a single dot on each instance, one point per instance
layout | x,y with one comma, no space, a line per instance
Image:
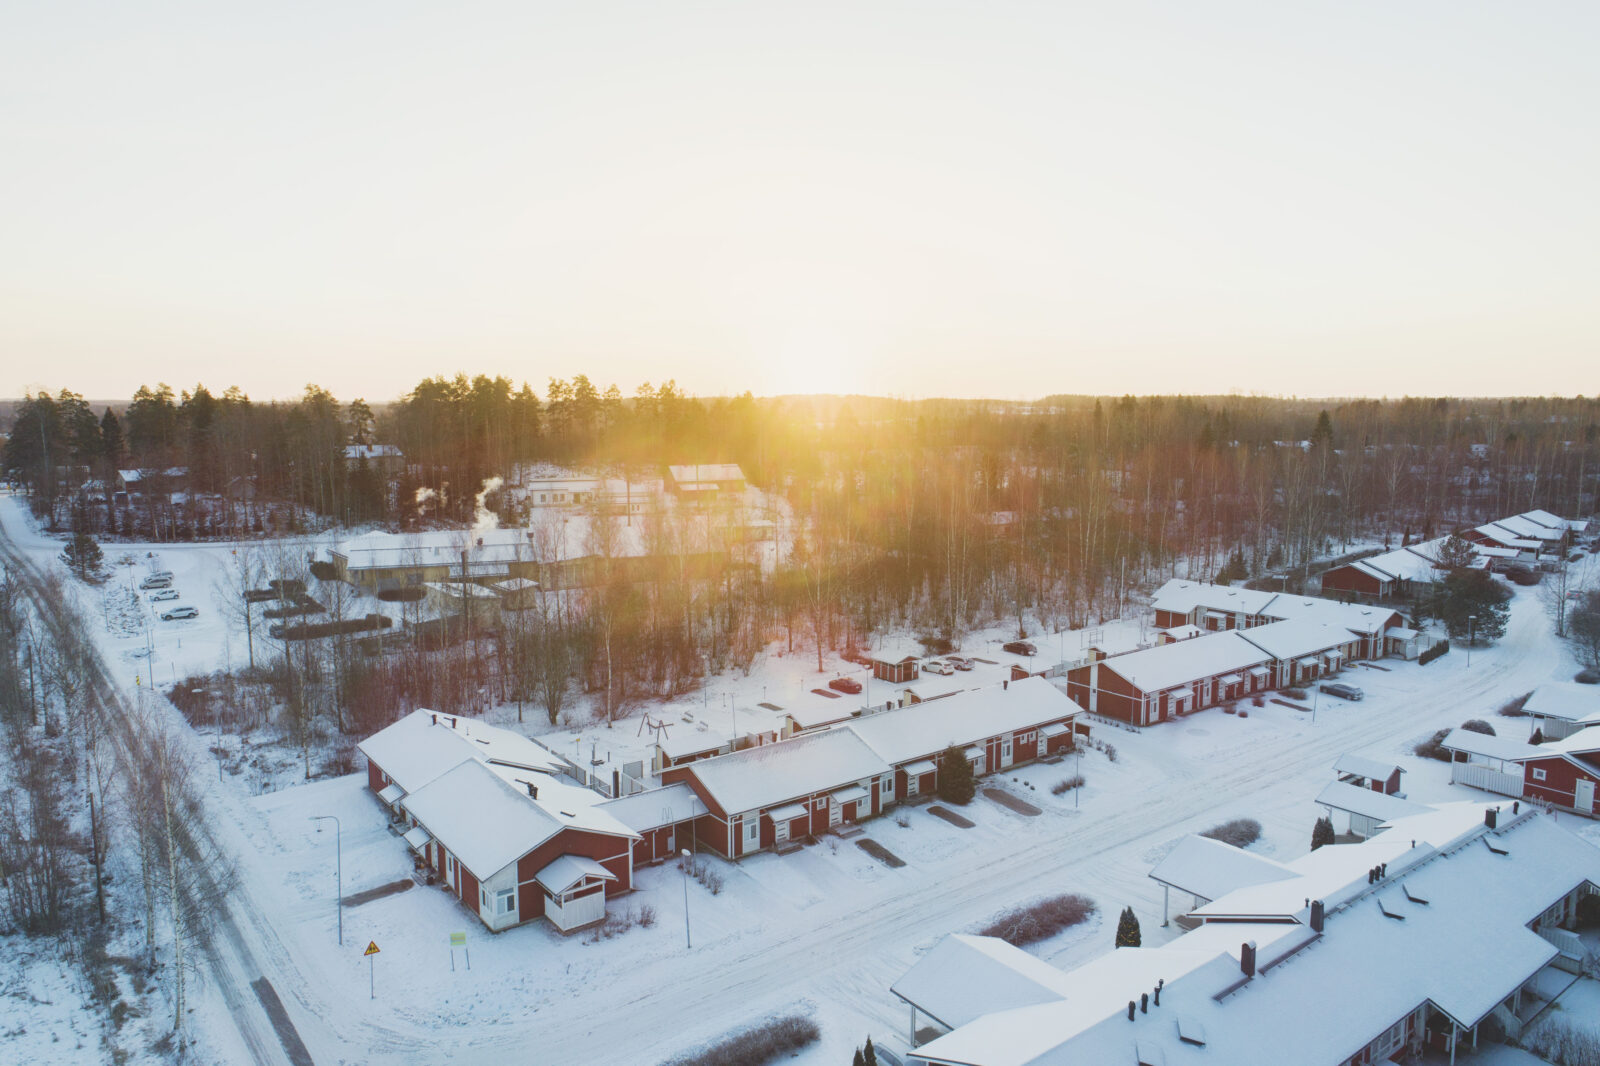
752,834
1584,800
780,831
835,814
1005,753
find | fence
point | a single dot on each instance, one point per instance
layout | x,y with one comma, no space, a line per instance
1476,775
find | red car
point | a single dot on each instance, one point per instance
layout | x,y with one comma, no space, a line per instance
845,684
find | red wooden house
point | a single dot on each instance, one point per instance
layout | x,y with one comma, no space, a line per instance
1566,773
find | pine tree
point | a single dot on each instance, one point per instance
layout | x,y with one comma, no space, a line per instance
1322,833
1537,738
82,555
956,783
869,1057
1128,929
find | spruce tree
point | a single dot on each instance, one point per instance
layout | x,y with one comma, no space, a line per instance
956,783
869,1057
1127,929
82,556
858,1060
1322,833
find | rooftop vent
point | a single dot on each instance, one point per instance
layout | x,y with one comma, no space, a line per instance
1491,816
1387,913
1413,898
1490,845
1247,958
1318,916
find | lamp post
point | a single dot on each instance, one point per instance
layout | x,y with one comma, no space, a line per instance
687,942
338,851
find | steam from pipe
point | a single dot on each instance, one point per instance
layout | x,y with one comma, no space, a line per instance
485,520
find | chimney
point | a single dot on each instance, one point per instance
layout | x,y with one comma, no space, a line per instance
1516,805
1247,958
616,781
435,719
452,723
1131,1006
1317,916
1383,871
1491,816
1005,684
1159,983
1144,1003
533,791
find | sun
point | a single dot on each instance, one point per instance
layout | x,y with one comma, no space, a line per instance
814,361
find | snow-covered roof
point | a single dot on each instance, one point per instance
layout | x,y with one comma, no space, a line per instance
1545,518
1186,661
927,728
813,711
424,744
686,739
1369,803
1501,535
1185,596
1209,868
488,822
491,549
1583,742
656,807
962,978
1182,597
1523,526
1362,766
1296,637
515,584
764,776
1183,632
1414,562
1356,617
1567,700
1475,743
706,474
1464,950
567,870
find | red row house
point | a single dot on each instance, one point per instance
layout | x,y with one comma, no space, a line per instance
1222,607
1176,679
514,848
1172,680
773,796
996,729
663,817
1565,773
487,811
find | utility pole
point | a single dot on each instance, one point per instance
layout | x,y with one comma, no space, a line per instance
338,847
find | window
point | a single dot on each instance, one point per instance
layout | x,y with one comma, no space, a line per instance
505,901
483,898
1538,775
888,786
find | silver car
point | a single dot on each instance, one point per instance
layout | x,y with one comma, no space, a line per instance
179,612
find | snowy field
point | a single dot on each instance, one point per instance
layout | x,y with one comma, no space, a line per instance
824,931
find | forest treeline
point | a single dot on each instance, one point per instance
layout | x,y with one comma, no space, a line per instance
936,515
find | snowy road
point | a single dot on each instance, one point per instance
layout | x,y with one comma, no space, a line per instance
835,951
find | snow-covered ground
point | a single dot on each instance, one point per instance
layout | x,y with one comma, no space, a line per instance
825,930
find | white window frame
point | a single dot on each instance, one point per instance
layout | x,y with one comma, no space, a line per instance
887,788
752,833
1538,774
505,901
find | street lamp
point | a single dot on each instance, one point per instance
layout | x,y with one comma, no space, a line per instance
687,942
338,850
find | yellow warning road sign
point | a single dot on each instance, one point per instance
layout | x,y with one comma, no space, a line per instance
372,948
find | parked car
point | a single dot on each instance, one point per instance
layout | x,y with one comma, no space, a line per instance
845,684
1019,647
1342,690
935,666
179,612
154,582
959,662
164,594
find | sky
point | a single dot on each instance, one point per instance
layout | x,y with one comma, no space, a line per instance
911,199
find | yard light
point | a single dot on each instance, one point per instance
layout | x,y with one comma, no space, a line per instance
687,943
338,850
